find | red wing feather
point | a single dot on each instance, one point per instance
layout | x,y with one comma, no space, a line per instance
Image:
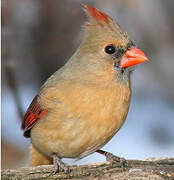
33,114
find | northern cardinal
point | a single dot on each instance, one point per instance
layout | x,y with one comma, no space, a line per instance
83,104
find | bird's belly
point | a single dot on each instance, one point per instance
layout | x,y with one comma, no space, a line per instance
81,129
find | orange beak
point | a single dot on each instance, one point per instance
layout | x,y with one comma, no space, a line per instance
132,57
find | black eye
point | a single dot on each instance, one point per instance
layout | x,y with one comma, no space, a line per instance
110,49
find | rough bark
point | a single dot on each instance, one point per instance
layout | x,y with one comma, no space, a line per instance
151,169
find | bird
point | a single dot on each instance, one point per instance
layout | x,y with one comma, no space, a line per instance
85,102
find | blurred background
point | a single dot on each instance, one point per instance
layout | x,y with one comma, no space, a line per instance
39,36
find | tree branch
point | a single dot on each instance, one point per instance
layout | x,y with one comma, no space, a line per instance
134,169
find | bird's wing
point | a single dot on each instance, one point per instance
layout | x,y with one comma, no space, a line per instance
32,115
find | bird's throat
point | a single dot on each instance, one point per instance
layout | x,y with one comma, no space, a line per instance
122,75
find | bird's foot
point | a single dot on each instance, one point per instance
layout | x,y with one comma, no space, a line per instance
112,158
58,163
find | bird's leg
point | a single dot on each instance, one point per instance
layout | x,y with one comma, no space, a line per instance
112,158
58,163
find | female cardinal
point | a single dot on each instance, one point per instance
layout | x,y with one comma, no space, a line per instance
83,104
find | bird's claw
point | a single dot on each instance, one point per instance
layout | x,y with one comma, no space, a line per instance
112,158
58,163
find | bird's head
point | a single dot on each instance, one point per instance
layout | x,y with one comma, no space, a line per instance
106,48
